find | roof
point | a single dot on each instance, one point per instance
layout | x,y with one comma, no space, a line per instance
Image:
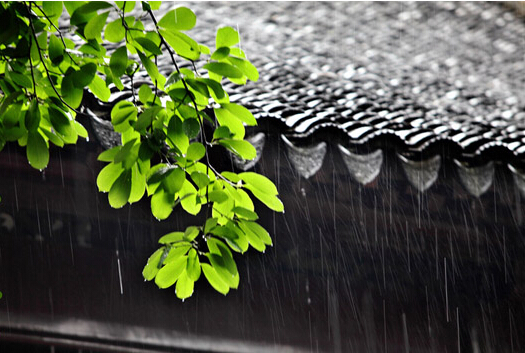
434,80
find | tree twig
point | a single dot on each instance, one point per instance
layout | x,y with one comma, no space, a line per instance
43,63
57,29
199,117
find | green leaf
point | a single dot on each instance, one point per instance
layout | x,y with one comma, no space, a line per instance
155,5
95,25
217,196
138,184
191,233
182,44
184,286
84,76
177,250
21,80
214,279
109,155
32,118
171,237
158,173
200,179
107,176
119,61
62,125
128,5
195,151
188,195
204,49
214,86
53,9
218,247
181,19
193,267
86,8
242,148
37,151
239,244
269,200
80,129
226,37
124,152
241,113
15,133
70,94
246,68
220,53
191,128
120,190
162,204
56,50
115,31
148,45
253,239
245,213
222,132
260,182
145,93
144,120
199,87
176,134
220,265
210,224
150,67
123,112
258,230
234,124
173,78
151,269
98,88
173,180
223,69
169,274
240,197
145,6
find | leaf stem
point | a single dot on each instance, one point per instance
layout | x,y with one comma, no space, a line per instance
163,41
33,32
57,29
32,73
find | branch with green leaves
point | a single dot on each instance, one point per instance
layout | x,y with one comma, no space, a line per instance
164,150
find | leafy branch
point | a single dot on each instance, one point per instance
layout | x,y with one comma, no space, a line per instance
163,153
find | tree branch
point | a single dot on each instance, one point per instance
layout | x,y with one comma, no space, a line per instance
199,117
57,29
33,32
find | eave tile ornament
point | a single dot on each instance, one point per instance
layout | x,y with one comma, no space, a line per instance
306,160
363,168
421,174
476,180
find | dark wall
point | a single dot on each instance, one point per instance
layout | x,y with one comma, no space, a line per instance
354,268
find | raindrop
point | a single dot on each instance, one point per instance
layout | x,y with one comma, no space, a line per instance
119,274
446,288
405,333
457,322
16,195
61,168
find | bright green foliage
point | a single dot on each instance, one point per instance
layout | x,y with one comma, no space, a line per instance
164,151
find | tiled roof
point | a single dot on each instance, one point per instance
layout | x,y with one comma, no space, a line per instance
419,74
